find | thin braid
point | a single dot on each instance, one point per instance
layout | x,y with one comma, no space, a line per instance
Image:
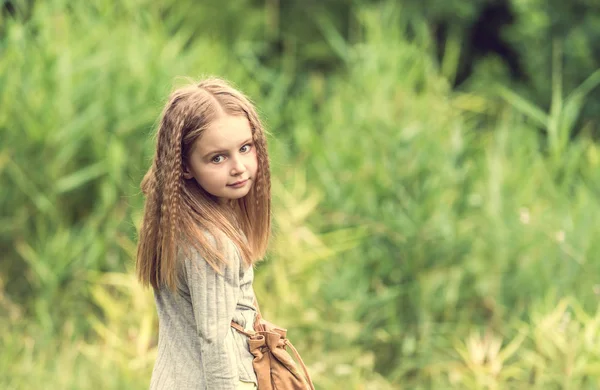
262,192
154,214
150,223
172,187
263,184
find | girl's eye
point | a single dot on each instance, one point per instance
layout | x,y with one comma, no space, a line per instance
217,159
246,148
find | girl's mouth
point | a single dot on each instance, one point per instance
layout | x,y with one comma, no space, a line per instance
238,184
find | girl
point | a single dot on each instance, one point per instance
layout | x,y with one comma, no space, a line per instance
206,222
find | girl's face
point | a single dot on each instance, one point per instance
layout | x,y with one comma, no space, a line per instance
223,160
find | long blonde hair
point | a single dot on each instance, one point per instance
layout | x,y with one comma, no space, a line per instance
178,213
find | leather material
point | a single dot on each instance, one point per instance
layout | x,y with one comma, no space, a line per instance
274,366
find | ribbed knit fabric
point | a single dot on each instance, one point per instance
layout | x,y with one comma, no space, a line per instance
197,348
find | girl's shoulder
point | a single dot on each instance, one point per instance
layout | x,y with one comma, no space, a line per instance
217,242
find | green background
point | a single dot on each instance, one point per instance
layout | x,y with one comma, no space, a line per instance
435,214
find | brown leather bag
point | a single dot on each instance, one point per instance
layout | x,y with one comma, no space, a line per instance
274,367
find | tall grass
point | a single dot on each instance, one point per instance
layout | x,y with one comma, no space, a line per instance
424,238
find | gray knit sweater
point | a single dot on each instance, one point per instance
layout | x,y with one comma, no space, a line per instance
197,348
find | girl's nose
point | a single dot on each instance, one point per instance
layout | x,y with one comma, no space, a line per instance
238,166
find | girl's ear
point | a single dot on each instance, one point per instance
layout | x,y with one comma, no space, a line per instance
186,172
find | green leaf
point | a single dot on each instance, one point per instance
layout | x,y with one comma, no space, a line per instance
79,178
523,105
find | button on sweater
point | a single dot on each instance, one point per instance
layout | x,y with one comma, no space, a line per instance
197,348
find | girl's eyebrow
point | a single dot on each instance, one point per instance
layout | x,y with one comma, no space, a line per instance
249,140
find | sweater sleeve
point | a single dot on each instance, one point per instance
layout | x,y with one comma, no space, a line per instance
214,297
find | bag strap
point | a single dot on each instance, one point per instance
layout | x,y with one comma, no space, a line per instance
243,331
240,329
301,362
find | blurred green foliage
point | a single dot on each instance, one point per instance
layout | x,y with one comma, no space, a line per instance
426,236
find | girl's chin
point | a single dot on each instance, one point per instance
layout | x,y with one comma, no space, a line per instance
234,195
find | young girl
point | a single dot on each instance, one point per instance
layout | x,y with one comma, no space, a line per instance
206,221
